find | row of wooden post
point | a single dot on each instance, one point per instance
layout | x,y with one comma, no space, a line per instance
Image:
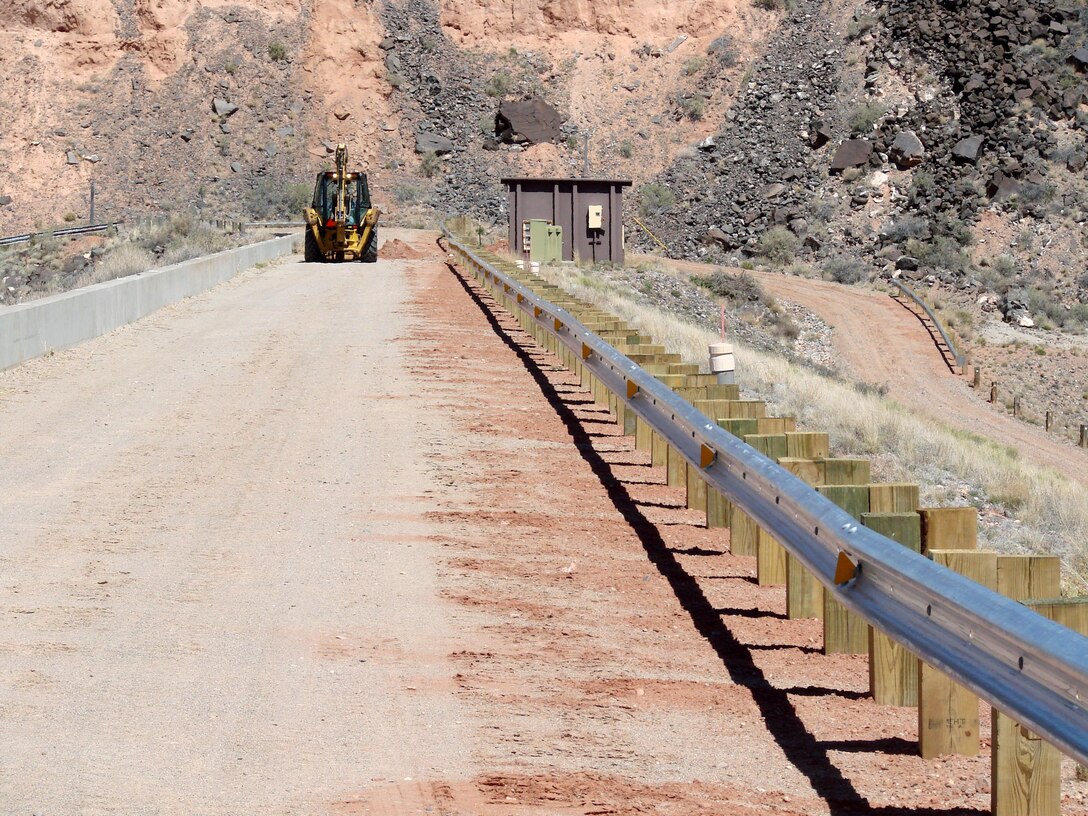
1048,422
1026,770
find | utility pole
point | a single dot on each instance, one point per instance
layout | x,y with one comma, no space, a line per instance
90,219
585,154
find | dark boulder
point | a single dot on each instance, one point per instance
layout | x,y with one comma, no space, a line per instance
851,153
433,143
907,150
531,122
968,150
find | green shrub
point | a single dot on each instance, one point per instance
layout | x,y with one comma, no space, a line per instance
694,107
625,148
774,5
655,199
277,51
863,117
739,288
724,51
845,269
694,65
408,193
940,253
778,245
500,84
430,164
273,199
906,227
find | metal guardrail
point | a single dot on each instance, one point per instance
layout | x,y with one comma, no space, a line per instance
906,290
1026,666
59,233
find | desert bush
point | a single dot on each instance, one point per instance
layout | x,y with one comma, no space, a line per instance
904,228
408,193
500,84
999,275
655,199
694,65
625,149
845,269
121,261
739,288
778,245
774,5
694,107
940,253
864,116
277,51
271,198
723,50
430,164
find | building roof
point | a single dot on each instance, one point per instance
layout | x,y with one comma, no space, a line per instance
516,179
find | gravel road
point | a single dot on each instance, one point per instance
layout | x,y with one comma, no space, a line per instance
337,540
215,591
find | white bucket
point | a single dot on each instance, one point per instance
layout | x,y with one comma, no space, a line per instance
534,267
722,362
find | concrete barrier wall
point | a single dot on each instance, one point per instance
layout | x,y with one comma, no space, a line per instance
32,329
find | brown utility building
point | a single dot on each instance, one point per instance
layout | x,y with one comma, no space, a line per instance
590,211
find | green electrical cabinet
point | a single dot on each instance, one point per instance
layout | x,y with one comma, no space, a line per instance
545,241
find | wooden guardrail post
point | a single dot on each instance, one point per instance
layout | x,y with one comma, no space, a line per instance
1016,406
1049,422
1026,770
893,497
993,393
949,528
1084,436
948,720
804,594
845,632
893,671
770,555
1022,577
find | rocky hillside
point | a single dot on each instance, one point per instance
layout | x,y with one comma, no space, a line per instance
939,139
944,141
232,107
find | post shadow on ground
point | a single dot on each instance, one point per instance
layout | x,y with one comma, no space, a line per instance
807,754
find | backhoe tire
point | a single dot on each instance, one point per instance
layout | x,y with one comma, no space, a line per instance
370,251
312,251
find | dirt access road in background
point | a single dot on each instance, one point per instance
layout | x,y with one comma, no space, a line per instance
330,540
882,343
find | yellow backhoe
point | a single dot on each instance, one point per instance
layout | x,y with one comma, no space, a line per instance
341,223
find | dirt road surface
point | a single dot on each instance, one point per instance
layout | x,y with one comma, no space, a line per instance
334,540
882,343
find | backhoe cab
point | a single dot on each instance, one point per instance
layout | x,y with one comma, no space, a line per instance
341,224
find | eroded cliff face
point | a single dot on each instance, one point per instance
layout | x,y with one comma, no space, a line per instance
535,22
121,91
